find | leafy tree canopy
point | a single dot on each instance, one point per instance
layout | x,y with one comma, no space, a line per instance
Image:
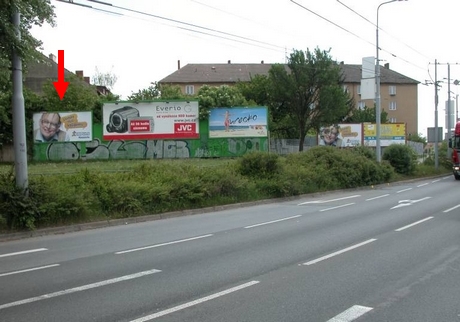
366,115
157,91
309,92
222,96
32,13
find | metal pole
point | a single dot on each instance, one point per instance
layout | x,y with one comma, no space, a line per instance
19,123
449,127
378,107
436,139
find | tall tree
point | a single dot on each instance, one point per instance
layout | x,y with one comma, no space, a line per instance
33,13
309,91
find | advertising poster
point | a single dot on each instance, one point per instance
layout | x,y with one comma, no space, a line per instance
341,135
150,120
393,133
238,122
63,127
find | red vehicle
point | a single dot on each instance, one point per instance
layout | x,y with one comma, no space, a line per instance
455,145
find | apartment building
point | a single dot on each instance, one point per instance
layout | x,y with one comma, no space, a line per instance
399,93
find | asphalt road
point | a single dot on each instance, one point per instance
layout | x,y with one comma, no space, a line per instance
390,253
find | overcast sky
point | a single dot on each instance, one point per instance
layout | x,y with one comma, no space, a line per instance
141,48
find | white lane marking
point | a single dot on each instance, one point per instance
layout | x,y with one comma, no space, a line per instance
413,224
403,203
29,270
79,289
339,252
24,252
378,197
450,209
163,244
435,180
341,206
272,222
423,184
403,190
331,200
446,178
351,314
192,303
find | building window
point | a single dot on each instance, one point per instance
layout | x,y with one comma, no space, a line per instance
358,89
392,106
392,90
361,105
392,120
345,88
189,89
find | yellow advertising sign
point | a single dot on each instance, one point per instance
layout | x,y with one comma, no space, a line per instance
393,133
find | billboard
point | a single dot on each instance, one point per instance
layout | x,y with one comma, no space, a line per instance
62,127
393,133
150,120
341,135
238,122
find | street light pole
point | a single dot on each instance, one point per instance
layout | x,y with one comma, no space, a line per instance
377,85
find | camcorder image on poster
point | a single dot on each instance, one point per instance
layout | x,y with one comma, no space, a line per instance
119,119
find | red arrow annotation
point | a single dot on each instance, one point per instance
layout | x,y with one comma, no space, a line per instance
61,85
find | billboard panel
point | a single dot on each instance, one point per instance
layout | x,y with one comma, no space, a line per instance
238,122
150,120
393,133
341,135
63,127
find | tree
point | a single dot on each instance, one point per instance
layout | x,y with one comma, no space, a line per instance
33,13
309,91
157,91
366,115
222,96
107,79
414,137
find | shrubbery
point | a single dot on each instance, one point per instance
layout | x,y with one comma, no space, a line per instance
156,187
401,157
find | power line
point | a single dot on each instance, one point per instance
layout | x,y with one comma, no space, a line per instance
185,23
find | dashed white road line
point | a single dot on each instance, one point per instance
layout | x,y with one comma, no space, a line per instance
450,209
403,190
24,252
163,244
272,222
330,200
413,224
339,252
341,206
29,270
423,184
195,302
79,289
378,197
435,180
351,314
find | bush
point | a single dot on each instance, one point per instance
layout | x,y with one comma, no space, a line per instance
402,158
259,165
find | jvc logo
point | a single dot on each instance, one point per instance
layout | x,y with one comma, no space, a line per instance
184,127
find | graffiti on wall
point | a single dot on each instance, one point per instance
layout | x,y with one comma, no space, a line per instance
148,149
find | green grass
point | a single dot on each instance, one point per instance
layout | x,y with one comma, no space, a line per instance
60,168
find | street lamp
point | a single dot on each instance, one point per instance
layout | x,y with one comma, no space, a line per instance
377,85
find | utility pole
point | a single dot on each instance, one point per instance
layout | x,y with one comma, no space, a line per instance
449,127
436,139
19,118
